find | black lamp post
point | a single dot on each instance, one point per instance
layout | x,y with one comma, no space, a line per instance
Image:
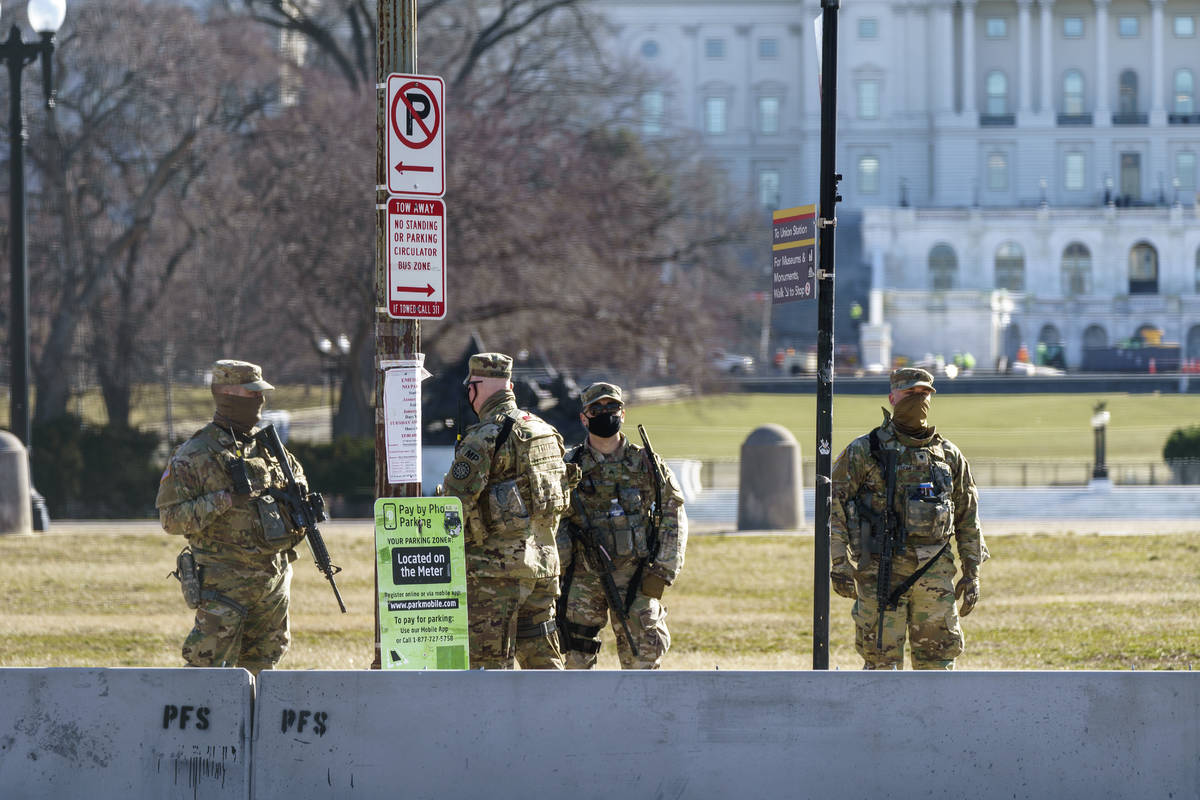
45,17
1100,419
334,355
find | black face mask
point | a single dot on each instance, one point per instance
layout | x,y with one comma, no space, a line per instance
604,425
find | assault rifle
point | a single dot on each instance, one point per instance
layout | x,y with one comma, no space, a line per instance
893,539
305,509
654,521
600,560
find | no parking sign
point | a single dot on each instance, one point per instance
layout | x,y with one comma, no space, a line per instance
416,148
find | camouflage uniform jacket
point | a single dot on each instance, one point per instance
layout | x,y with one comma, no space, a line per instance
510,536
929,524
626,476
195,499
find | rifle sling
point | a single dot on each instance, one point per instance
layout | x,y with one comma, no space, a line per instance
899,591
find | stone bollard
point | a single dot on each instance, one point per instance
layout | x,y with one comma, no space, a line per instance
770,482
16,511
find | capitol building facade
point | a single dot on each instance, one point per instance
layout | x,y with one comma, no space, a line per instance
1014,172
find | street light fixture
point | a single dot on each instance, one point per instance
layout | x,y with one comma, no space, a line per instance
45,17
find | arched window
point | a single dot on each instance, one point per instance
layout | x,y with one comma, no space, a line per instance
943,267
1049,335
1076,270
1185,92
1010,267
1143,269
1095,336
1127,92
1073,92
997,93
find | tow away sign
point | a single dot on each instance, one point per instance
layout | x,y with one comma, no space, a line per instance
416,147
416,233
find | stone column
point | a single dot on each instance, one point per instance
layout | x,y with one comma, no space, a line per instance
1024,59
1046,7
1158,111
770,482
1102,113
942,59
968,57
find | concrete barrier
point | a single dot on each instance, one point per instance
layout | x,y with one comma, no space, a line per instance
125,733
726,734
16,511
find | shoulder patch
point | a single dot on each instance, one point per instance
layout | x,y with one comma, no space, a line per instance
471,454
460,470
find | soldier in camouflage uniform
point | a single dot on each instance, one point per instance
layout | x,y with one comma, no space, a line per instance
241,543
935,500
508,470
614,502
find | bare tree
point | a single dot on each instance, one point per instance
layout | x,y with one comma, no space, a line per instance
149,96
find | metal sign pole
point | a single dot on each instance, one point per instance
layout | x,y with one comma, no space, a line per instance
394,338
826,227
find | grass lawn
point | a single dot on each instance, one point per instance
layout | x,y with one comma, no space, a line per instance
1022,426
98,595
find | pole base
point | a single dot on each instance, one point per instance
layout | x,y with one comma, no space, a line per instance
41,515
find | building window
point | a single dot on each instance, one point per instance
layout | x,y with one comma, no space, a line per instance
768,115
649,49
1185,170
1143,269
714,115
997,172
768,188
1185,27
714,48
1127,92
943,267
1076,270
1074,171
1127,27
1073,92
868,99
868,28
997,93
996,27
1010,267
868,175
1072,27
1185,92
1095,336
653,107
768,48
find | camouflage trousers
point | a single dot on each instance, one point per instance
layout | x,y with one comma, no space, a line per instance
925,615
246,623
511,621
588,611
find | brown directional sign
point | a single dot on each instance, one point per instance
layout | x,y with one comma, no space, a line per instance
793,254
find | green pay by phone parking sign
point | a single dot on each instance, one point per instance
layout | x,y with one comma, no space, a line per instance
421,566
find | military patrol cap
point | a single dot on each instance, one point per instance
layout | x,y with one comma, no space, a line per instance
228,372
489,365
909,377
596,392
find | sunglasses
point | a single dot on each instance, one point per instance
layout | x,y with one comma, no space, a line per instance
606,408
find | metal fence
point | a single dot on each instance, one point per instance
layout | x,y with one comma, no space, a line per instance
1014,472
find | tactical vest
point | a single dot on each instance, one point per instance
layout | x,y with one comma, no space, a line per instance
924,504
537,483
615,505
